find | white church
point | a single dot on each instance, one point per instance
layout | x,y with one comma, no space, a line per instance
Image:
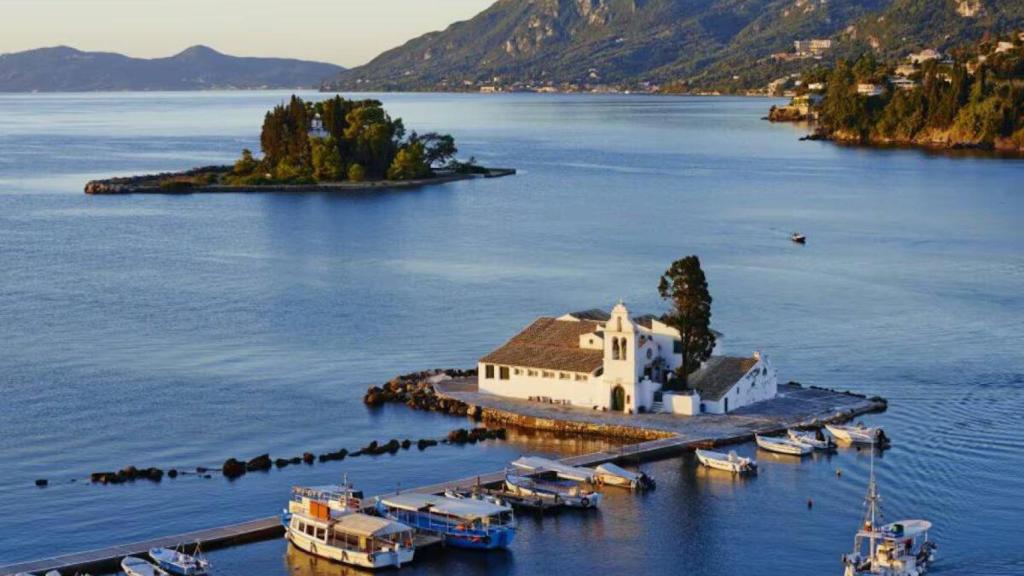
615,362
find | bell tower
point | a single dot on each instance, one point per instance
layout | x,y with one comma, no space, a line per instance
620,345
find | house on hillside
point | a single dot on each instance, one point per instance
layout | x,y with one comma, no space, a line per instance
617,362
812,47
924,56
869,90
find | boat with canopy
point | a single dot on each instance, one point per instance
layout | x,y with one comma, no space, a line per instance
461,522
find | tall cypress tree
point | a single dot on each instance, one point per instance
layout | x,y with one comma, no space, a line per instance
686,289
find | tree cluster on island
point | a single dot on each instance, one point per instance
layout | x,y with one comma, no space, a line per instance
975,99
358,141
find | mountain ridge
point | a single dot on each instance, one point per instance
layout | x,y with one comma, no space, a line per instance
199,67
696,42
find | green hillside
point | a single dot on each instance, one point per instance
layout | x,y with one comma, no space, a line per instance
706,44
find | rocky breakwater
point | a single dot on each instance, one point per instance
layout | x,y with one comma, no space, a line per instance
416,390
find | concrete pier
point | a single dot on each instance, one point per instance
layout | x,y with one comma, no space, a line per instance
662,435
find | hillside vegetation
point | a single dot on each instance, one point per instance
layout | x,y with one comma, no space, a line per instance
689,44
975,101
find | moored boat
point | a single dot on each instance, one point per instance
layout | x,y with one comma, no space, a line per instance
462,522
782,445
608,473
896,549
818,441
326,522
564,492
858,434
134,566
177,562
615,475
730,462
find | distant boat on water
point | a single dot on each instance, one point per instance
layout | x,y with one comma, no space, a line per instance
798,238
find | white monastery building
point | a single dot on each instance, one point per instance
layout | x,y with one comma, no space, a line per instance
614,362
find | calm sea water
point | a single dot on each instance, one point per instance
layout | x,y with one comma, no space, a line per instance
179,331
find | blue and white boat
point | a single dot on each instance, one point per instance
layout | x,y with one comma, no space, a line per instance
179,563
465,523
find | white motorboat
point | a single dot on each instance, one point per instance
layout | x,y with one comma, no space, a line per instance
564,492
615,475
134,566
810,439
326,522
858,434
895,549
782,445
538,465
179,563
609,473
730,462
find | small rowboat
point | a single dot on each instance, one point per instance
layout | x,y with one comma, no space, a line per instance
858,434
177,562
798,238
730,462
133,566
782,446
810,439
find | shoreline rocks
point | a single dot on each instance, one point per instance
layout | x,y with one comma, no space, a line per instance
416,390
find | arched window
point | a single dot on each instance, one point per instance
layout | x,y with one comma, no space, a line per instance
615,348
622,348
618,323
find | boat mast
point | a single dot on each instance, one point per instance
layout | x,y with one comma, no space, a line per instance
873,501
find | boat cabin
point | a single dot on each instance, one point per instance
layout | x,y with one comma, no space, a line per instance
354,532
438,513
338,500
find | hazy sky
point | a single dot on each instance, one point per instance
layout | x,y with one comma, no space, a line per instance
346,32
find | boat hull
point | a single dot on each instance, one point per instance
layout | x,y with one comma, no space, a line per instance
372,561
485,539
739,466
783,447
854,435
587,500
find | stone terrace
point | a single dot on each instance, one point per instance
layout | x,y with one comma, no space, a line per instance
794,406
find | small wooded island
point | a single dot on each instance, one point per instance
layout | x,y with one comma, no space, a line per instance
336,144
971,98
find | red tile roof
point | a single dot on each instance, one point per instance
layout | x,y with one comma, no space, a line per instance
550,344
